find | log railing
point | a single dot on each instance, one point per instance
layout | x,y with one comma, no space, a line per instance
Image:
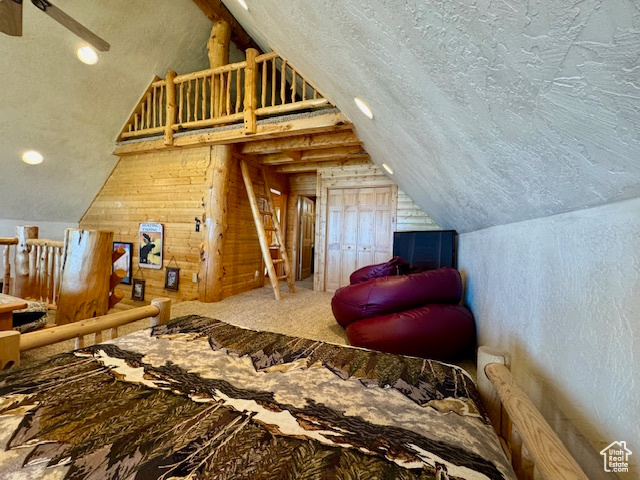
45,264
12,342
262,85
150,116
6,262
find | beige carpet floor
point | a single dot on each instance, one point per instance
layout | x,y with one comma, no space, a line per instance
304,314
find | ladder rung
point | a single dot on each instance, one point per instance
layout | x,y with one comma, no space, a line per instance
269,229
282,277
278,260
262,212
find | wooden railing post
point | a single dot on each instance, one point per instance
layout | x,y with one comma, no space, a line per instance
171,107
23,284
250,92
6,279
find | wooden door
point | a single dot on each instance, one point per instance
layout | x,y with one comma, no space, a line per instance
306,228
359,231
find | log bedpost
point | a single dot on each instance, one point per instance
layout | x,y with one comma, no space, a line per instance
85,275
250,92
9,349
171,107
216,224
23,281
164,311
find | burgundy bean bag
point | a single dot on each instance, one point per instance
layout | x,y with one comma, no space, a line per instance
395,266
440,332
384,295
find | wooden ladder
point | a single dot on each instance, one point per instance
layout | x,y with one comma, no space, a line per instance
258,216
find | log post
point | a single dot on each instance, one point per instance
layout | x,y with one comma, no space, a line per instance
23,283
218,44
164,311
86,272
217,184
250,92
216,224
171,108
6,281
9,349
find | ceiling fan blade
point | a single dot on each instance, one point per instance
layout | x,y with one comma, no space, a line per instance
11,17
71,24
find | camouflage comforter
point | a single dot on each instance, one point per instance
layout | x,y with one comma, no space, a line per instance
199,399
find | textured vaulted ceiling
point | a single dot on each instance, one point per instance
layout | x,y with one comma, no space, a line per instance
72,112
489,112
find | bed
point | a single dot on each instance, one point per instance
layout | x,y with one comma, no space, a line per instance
198,398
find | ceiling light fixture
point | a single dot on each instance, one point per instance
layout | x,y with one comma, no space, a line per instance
243,4
364,108
87,55
32,157
387,168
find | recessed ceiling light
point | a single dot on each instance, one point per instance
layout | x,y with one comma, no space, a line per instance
32,157
364,108
243,4
387,168
87,55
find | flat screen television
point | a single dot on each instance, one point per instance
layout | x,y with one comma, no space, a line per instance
427,250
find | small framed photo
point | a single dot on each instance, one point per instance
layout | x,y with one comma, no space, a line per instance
172,278
150,245
124,262
137,292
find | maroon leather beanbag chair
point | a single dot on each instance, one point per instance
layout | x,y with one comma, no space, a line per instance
395,266
434,331
385,295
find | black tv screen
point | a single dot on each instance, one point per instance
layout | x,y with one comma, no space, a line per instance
427,250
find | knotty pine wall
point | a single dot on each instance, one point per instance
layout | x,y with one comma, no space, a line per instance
409,216
242,255
164,187
168,188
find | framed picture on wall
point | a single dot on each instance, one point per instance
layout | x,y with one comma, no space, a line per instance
172,278
137,291
124,262
150,245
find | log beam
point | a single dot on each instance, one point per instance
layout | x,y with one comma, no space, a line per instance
301,142
306,167
215,11
326,123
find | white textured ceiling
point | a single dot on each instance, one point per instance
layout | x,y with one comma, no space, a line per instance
71,112
490,112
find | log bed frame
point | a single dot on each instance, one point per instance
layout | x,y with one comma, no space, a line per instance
528,441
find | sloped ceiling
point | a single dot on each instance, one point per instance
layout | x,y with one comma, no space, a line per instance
71,112
490,112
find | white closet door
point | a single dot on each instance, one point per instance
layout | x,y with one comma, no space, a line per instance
358,231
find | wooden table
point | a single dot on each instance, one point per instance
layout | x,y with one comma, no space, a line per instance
7,306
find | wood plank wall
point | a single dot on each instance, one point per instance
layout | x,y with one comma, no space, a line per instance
409,216
242,255
168,188
163,187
